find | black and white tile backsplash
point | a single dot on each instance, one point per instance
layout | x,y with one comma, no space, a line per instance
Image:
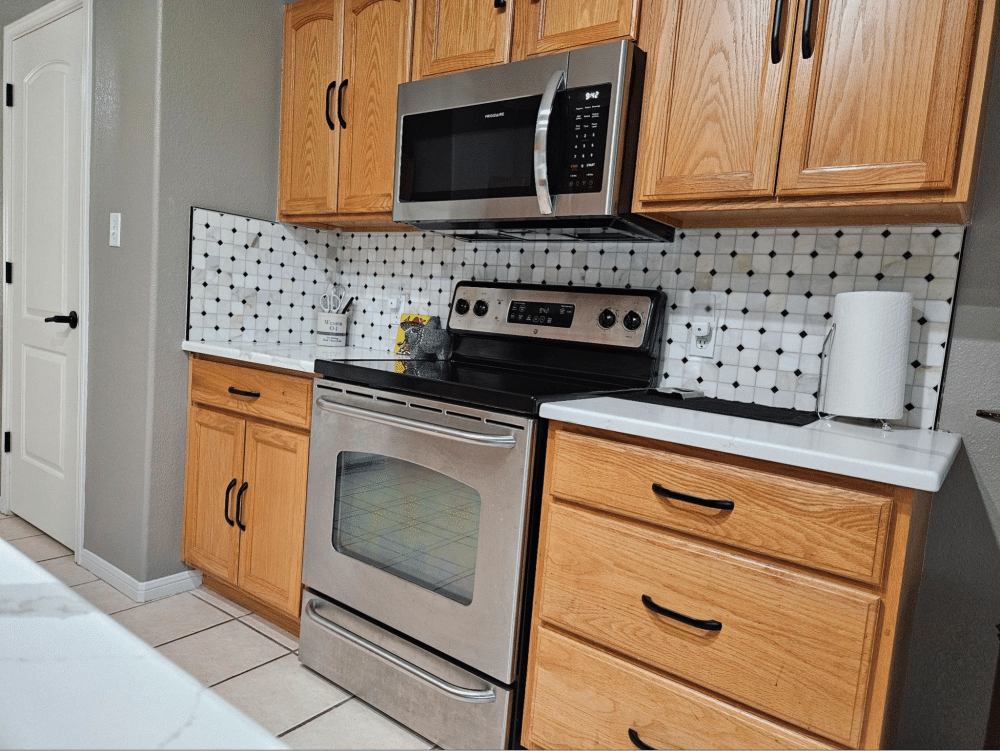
259,281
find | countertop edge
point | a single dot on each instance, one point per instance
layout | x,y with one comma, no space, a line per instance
243,355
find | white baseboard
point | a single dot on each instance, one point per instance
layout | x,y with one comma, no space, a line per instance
137,590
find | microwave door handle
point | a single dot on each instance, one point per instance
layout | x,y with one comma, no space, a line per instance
545,201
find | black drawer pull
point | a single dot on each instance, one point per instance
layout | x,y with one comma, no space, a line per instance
240,392
637,741
686,620
340,103
807,31
779,6
229,489
706,502
239,506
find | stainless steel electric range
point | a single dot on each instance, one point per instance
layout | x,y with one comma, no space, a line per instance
423,485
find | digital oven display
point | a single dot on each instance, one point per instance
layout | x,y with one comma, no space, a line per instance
541,314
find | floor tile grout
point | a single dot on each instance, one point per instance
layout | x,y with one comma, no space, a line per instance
315,717
199,631
248,670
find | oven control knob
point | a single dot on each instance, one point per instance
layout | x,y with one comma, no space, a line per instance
607,318
632,320
461,306
481,308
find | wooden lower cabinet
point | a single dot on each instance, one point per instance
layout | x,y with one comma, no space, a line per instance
658,621
245,494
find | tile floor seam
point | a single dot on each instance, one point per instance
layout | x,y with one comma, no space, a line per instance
199,631
315,717
266,636
248,670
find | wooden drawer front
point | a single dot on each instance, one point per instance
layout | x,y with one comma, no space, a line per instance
792,645
840,530
284,399
581,697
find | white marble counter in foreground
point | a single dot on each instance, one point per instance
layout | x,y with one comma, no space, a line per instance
71,677
289,356
906,457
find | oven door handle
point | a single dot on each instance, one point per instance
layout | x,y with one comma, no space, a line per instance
541,152
480,439
463,694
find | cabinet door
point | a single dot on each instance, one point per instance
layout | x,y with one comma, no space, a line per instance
545,26
214,461
711,123
453,35
377,50
309,132
273,512
878,106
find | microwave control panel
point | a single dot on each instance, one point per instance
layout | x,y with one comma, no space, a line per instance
586,112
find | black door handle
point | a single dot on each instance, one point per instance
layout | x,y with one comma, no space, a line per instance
72,319
684,497
685,619
779,7
807,31
499,4
340,103
329,120
239,506
637,741
229,489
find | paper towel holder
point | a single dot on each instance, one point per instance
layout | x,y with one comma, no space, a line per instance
825,356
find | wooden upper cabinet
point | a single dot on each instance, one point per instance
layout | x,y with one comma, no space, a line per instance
309,139
879,104
454,35
714,99
546,26
377,51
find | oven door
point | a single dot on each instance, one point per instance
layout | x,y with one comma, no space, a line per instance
416,518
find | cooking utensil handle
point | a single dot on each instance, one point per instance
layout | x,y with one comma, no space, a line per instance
480,439
779,7
329,120
541,153
462,694
229,489
807,31
685,619
706,502
637,741
340,103
239,506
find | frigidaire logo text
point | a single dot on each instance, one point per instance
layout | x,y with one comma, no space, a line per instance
496,114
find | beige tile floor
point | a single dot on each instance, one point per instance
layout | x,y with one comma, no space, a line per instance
251,663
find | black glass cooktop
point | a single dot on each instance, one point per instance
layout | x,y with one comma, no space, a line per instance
778,415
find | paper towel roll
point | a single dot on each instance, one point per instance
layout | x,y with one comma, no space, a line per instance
866,373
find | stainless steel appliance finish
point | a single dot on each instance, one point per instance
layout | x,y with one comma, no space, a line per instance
390,506
506,148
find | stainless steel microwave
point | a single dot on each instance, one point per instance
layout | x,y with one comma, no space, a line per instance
543,148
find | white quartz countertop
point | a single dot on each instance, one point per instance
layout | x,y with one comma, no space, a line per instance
289,356
71,677
906,457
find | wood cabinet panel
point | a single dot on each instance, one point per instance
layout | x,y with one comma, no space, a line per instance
840,529
377,51
879,105
453,35
282,398
214,459
581,697
713,102
791,645
546,26
275,470
309,147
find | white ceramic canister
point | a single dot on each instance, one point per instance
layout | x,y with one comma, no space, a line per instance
331,329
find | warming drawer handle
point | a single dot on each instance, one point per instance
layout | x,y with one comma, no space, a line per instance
462,694
637,741
706,502
685,619
541,152
480,439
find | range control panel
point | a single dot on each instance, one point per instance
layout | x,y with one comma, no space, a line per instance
584,315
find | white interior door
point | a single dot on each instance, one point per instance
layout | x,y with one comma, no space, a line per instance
44,145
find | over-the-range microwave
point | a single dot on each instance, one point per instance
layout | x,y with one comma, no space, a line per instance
543,149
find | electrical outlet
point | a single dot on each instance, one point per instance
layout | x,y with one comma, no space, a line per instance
703,336
115,232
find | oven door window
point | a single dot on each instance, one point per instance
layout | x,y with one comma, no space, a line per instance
407,520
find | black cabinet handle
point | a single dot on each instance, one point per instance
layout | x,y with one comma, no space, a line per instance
637,741
239,506
499,4
229,489
240,392
807,31
686,620
340,103
329,120
779,7
72,319
706,502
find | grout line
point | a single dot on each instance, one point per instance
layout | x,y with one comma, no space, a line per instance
316,717
266,636
248,670
199,631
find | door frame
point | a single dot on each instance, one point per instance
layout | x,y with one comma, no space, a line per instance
25,25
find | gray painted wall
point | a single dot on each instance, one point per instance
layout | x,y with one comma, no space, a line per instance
186,111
